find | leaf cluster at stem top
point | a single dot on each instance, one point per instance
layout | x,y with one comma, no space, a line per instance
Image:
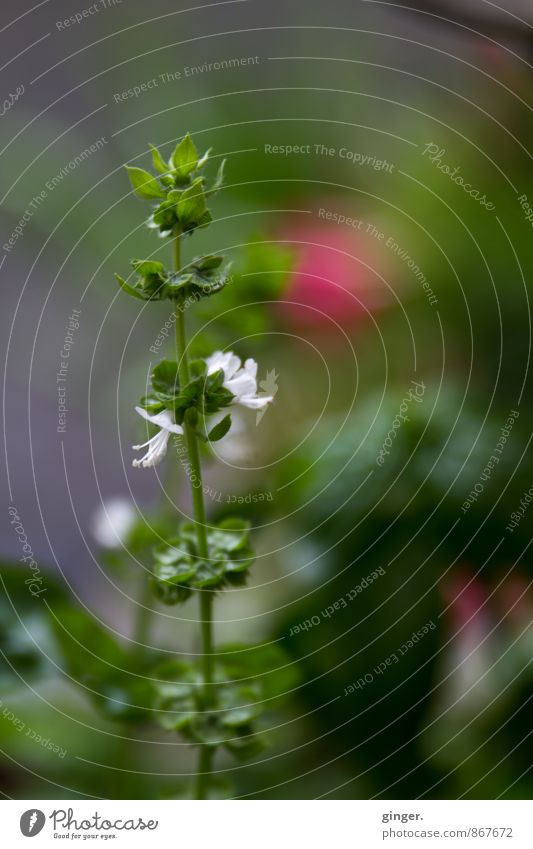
180,187
181,192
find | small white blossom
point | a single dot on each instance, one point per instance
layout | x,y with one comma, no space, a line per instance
112,521
158,443
240,381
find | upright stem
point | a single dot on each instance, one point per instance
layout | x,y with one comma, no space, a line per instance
205,767
206,597
200,520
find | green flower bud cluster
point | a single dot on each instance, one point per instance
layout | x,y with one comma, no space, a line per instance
179,567
202,396
181,189
180,186
231,725
199,279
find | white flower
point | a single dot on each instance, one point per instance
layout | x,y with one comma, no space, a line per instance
112,521
241,382
158,443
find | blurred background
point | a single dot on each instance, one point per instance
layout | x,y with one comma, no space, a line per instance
378,212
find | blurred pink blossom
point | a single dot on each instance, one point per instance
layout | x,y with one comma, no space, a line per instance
333,276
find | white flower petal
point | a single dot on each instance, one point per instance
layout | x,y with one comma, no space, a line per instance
216,362
164,420
144,413
233,366
250,366
156,451
241,382
157,445
256,402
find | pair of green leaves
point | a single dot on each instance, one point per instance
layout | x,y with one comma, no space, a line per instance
199,279
179,569
179,186
180,699
202,396
182,164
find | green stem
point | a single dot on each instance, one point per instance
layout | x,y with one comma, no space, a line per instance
205,766
181,345
200,521
181,336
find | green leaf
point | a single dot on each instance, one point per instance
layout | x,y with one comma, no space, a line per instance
175,700
165,215
220,430
144,267
171,553
192,207
170,593
215,380
178,283
153,281
198,279
179,720
175,573
144,184
233,523
247,746
240,563
188,396
206,729
205,219
152,404
214,401
208,575
165,377
197,367
185,157
206,265
159,163
129,289
266,666
240,716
